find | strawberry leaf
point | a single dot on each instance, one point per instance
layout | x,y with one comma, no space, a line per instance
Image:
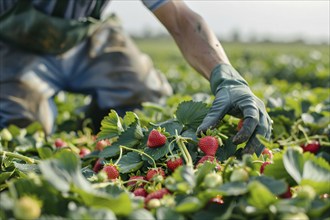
157,153
111,126
260,197
191,114
233,188
129,138
188,205
130,162
294,162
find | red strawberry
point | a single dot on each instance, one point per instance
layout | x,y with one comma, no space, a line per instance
83,152
98,165
134,180
59,143
287,194
268,152
156,195
101,144
312,147
208,144
156,139
174,163
140,192
262,168
211,159
240,124
112,171
153,172
218,200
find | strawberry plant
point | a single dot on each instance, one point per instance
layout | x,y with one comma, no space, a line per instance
150,164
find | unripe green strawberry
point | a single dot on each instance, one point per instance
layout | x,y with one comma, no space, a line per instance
212,180
306,192
6,135
208,144
156,139
153,203
102,176
239,175
27,208
112,171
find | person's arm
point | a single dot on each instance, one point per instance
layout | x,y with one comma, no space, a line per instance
233,96
195,39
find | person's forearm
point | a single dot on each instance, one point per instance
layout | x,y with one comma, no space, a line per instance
195,39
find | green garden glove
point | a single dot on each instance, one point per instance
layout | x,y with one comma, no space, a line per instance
234,97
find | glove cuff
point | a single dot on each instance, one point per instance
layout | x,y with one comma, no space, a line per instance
225,74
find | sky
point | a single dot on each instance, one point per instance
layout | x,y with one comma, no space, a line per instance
281,19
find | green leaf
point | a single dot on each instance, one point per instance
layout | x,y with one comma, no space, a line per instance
259,196
320,187
128,138
157,153
233,188
52,200
130,162
27,168
4,176
315,172
188,205
277,187
277,170
63,171
191,114
120,205
45,152
203,170
110,151
166,213
110,126
130,118
141,214
293,162
89,213
227,150
170,126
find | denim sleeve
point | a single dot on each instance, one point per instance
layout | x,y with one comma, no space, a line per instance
154,4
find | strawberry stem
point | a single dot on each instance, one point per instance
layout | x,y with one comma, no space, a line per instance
304,132
185,153
18,156
140,152
229,161
135,180
120,155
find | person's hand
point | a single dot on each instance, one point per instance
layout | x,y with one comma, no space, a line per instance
234,97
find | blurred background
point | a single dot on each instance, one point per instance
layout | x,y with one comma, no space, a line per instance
243,20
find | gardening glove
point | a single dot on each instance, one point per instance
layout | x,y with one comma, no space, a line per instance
234,97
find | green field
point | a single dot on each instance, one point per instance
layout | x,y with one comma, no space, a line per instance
67,175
